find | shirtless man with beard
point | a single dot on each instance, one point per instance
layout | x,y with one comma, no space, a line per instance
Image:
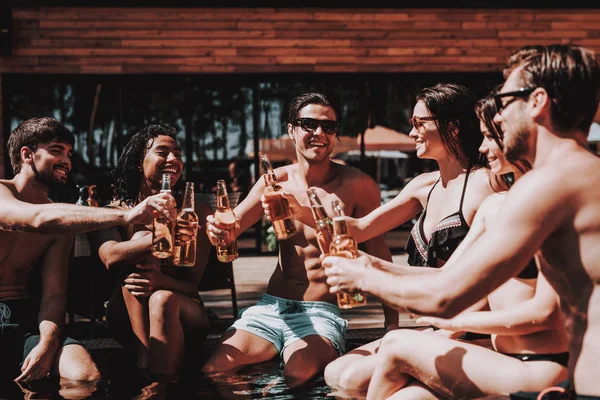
34,230
545,109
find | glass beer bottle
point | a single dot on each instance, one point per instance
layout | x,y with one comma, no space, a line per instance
224,215
324,226
280,213
162,228
343,245
186,229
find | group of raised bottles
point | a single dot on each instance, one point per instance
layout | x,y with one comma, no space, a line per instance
332,235
175,241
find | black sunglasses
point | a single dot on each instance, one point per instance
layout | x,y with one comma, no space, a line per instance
311,125
418,121
517,94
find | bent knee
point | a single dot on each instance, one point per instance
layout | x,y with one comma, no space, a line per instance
299,374
162,300
399,339
355,377
332,372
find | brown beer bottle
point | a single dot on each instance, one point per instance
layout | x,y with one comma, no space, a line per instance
162,228
324,225
280,213
184,250
343,245
224,215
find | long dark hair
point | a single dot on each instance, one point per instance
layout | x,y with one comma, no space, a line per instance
451,103
485,111
128,173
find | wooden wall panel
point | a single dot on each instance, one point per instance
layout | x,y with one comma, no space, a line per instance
270,40
86,40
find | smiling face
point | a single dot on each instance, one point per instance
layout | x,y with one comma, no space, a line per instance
512,119
163,157
428,143
51,162
494,154
314,146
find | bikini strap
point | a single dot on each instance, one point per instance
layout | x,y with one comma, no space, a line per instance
462,197
431,191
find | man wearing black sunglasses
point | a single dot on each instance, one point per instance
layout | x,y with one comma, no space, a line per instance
298,319
546,107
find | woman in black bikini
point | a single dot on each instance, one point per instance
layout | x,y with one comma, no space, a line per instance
528,336
445,129
154,309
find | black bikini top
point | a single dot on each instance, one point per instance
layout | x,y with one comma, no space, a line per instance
447,234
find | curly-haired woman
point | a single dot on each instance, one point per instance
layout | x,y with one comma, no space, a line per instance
154,309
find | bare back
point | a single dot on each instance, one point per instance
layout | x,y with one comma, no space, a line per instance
19,252
299,274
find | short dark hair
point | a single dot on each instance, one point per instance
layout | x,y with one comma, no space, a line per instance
305,99
128,173
33,132
569,74
486,110
453,103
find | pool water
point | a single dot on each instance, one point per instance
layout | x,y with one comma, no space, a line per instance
122,380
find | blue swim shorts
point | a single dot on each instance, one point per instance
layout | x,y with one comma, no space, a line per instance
283,322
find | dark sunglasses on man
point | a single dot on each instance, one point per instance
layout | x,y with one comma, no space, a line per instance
517,94
311,125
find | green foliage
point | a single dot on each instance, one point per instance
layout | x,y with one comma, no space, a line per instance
268,235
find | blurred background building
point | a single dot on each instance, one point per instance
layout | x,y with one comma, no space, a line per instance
223,76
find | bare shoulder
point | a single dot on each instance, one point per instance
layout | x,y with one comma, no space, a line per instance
284,173
481,180
544,189
491,204
7,188
424,180
420,186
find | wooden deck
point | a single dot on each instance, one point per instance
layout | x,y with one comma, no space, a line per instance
252,274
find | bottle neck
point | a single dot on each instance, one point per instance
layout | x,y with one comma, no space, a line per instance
319,213
340,228
270,178
222,200
188,199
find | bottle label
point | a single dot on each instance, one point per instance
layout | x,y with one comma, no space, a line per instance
278,206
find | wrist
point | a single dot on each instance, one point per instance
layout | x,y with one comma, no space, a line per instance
364,283
49,341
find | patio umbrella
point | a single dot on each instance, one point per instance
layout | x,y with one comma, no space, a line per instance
382,138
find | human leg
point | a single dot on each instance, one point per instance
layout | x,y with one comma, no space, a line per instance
73,362
306,357
237,348
453,368
171,314
414,391
352,372
314,334
129,323
254,337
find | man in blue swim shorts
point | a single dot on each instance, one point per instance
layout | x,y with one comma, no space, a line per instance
298,319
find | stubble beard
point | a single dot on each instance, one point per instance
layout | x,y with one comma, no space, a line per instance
516,145
45,178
